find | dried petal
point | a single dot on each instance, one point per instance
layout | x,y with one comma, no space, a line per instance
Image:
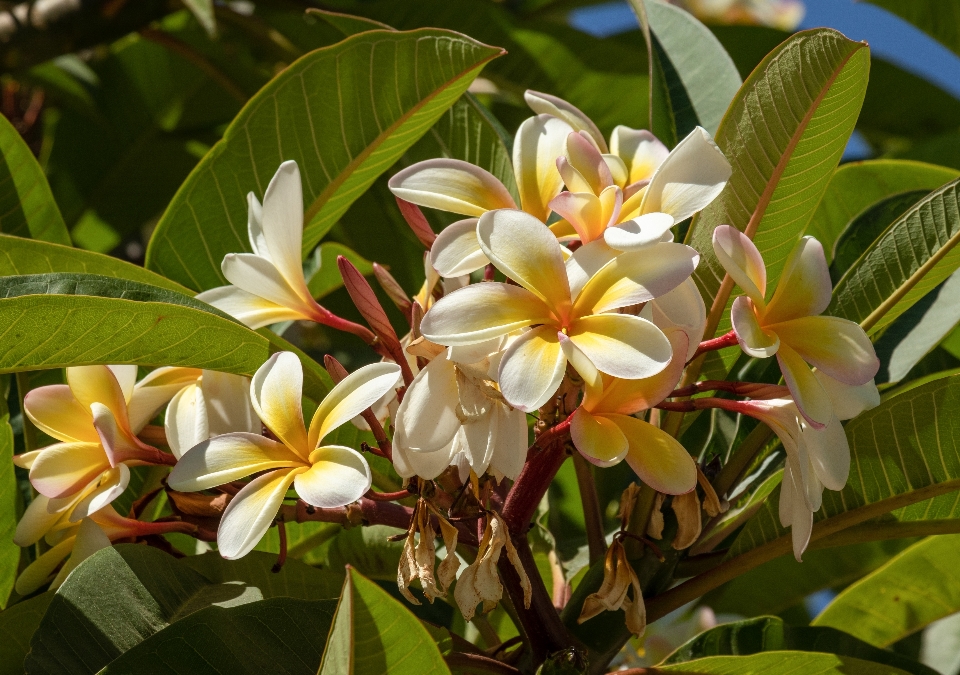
711,503
655,526
447,571
618,578
687,509
518,566
407,571
628,501
425,556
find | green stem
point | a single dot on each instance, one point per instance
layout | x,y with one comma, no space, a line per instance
592,517
741,458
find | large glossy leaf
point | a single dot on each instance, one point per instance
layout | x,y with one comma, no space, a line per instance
782,156
911,591
905,459
856,186
114,600
938,18
771,634
9,552
373,634
913,256
17,625
781,663
285,636
701,76
762,590
59,320
27,256
26,204
345,113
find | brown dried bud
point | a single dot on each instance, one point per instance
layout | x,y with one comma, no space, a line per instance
655,525
687,509
619,578
480,581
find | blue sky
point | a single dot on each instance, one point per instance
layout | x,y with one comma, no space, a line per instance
889,37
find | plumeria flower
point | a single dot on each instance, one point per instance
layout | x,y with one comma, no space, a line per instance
579,308
268,286
789,326
453,414
605,433
460,187
323,475
212,404
96,416
641,213
816,458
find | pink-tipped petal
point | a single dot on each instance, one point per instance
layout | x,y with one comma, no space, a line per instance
547,104
642,152
583,156
583,211
804,288
66,468
682,308
456,250
98,384
640,232
630,396
690,177
480,312
742,261
538,143
849,400
55,411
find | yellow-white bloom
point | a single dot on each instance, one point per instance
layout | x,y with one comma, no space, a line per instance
789,326
453,413
816,458
212,404
96,416
460,187
559,301
605,433
268,286
323,475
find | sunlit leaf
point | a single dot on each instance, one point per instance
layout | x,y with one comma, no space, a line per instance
897,599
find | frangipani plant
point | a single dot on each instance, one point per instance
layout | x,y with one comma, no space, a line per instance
565,425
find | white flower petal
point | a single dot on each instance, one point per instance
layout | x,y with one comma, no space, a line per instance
480,312
355,393
829,453
126,377
510,451
251,310
640,232
427,465
227,458
111,485
251,512
255,227
536,147
258,276
545,104
690,177
227,401
451,185
532,369
155,390
339,476
282,218
276,391
622,345
185,421
642,152
457,251
427,418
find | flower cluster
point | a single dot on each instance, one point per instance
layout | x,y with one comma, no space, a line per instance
583,323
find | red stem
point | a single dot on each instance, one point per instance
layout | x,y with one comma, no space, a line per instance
387,496
751,389
534,479
725,340
327,318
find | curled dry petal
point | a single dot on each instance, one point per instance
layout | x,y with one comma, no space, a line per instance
480,582
687,509
619,579
655,526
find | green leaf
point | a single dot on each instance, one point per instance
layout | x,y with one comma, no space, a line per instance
17,625
114,600
26,202
938,18
202,10
781,663
701,76
373,634
904,453
9,552
856,186
346,23
364,548
49,324
344,112
911,591
295,579
864,229
782,156
326,276
769,634
28,256
285,636
762,590
912,257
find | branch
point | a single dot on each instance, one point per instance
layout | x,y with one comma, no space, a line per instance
532,483
477,663
593,518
